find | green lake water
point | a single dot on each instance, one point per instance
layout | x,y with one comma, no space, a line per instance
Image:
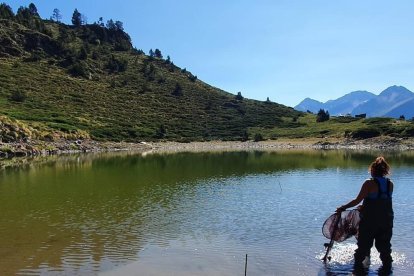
190,213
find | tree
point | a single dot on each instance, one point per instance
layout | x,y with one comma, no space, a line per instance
6,11
56,16
322,116
258,137
178,91
157,53
76,18
119,26
402,117
110,24
160,132
239,96
100,22
83,54
245,136
33,10
23,14
151,53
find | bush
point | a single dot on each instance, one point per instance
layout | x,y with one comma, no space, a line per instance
18,96
117,64
408,132
364,133
258,137
192,78
345,120
245,136
178,91
378,120
322,116
239,96
79,69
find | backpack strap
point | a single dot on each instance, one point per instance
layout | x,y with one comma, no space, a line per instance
388,187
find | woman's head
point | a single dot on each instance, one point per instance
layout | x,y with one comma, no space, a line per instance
379,167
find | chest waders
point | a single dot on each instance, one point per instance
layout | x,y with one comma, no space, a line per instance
376,224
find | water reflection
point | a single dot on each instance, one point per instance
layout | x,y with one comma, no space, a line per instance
88,213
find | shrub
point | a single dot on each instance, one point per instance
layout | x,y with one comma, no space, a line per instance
408,132
245,136
160,132
192,78
117,64
364,133
239,96
178,91
79,69
18,96
258,137
322,116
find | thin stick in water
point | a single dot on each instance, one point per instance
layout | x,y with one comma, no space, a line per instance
245,267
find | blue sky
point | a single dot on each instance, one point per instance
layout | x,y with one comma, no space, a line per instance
284,50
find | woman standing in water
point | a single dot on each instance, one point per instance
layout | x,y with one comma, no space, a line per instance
377,215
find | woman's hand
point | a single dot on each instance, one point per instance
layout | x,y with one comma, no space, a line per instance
340,209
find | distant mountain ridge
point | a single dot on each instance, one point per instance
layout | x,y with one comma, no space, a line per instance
394,101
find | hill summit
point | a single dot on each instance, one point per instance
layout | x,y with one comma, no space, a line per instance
87,80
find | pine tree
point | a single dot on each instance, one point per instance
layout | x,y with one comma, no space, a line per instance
119,26
76,18
6,12
322,116
157,53
56,16
239,96
110,24
33,10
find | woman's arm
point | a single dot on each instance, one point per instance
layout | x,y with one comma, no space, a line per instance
363,193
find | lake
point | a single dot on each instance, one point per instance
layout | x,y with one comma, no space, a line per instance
190,213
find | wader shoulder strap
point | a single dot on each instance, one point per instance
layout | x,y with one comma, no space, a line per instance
388,187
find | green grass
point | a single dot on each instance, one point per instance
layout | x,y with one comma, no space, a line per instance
337,127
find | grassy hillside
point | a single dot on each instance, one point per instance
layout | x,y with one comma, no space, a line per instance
340,127
90,81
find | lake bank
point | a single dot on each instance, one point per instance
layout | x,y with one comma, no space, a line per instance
43,148
378,143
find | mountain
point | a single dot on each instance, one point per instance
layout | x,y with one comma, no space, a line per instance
309,104
89,81
341,106
387,102
406,109
392,102
346,104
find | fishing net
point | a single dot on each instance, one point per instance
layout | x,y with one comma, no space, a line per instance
343,226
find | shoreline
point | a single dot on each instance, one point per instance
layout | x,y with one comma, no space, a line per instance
42,148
